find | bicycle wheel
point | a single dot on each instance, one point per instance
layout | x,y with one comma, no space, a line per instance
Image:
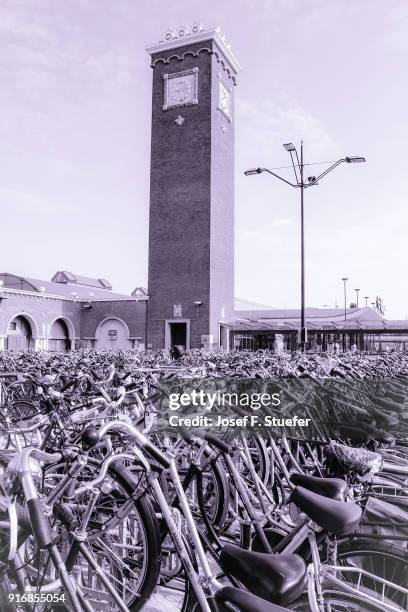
338,601
6,593
209,494
213,496
383,560
120,555
174,586
259,454
20,409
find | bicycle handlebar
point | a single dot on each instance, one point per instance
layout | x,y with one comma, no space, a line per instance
140,439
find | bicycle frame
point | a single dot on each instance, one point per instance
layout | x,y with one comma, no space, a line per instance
319,574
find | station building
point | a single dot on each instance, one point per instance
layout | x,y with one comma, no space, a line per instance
72,312
69,312
364,329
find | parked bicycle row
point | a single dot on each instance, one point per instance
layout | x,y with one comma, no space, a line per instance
260,363
103,505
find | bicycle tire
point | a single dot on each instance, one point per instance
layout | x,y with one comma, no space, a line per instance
144,513
338,601
381,558
5,591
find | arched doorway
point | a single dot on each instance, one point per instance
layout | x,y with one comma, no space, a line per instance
19,334
112,333
59,340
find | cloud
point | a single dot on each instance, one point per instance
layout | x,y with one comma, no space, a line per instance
48,54
268,227
396,32
265,125
24,202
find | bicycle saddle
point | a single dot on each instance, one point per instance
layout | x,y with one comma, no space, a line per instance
355,433
384,420
277,578
365,434
244,601
393,402
334,488
384,437
338,517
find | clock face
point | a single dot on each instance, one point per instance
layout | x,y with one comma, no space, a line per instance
224,100
180,90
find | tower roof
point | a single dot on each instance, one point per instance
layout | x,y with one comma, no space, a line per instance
174,38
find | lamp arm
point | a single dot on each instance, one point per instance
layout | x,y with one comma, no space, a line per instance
279,177
340,161
294,166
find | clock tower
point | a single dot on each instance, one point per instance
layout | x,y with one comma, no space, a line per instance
191,226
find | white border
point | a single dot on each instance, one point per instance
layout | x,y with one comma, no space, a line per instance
220,80
175,75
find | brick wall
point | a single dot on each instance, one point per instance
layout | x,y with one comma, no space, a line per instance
131,312
191,202
41,311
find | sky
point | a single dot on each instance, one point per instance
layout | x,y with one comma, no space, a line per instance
75,108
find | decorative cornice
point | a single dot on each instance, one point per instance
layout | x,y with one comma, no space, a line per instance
180,37
180,56
78,300
219,57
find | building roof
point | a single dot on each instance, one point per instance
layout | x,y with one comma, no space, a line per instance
248,305
140,292
68,277
69,290
311,314
274,319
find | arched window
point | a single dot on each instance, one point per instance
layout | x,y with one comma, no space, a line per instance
19,334
59,340
112,333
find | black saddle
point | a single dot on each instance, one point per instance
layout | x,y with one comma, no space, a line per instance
334,488
384,437
338,517
276,578
364,434
244,601
354,433
384,420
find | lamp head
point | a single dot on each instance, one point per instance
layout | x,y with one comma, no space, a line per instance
289,146
355,160
253,171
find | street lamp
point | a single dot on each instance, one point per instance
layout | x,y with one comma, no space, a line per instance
253,171
366,297
298,168
355,160
344,279
357,290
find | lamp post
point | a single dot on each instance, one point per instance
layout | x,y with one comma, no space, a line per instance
366,297
302,184
357,290
344,279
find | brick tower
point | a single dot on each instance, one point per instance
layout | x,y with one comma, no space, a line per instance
191,231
